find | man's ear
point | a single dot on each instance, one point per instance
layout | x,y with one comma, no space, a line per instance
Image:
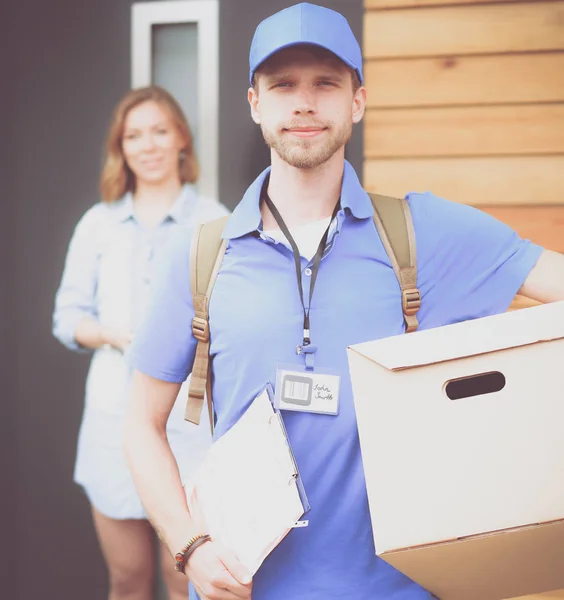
252,97
359,104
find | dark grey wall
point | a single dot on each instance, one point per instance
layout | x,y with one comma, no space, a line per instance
8,485
69,64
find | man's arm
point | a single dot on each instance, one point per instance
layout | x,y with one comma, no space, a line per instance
216,573
545,282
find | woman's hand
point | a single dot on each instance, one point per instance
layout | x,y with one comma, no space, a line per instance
89,333
217,574
117,338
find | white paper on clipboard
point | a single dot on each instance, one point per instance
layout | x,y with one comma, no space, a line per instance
247,493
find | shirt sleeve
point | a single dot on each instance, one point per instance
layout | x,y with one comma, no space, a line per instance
164,347
76,296
471,264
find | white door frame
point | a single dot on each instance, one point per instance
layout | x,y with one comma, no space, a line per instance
205,14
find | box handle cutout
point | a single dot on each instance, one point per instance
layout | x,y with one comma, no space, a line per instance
475,385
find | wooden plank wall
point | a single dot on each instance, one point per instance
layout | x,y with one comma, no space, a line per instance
466,99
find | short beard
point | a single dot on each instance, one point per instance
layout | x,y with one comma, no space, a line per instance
300,153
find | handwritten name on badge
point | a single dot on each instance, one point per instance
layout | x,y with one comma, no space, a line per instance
316,392
322,392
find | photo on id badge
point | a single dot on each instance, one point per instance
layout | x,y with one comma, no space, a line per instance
304,390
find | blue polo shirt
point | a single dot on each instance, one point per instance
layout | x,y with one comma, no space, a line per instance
469,265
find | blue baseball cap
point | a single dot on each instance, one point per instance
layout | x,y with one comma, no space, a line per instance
305,23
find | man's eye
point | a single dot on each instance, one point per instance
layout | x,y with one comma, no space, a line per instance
327,83
283,84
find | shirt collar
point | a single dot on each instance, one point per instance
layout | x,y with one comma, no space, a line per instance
181,206
184,204
246,217
124,208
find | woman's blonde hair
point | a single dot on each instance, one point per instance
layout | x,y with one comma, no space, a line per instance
117,178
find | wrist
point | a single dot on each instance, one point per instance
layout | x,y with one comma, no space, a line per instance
106,336
181,558
173,529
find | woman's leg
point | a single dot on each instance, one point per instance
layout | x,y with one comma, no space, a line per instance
128,548
176,583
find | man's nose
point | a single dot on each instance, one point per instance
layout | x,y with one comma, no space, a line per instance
305,102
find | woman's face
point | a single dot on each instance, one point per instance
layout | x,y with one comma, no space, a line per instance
151,143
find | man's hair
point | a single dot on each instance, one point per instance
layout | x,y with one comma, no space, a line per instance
117,178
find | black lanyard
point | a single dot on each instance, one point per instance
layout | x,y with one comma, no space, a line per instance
316,259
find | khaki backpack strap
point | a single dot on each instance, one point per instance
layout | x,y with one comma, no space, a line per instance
394,223
206,255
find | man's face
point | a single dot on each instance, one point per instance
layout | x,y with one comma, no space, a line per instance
305,103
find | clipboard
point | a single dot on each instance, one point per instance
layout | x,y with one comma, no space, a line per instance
248,494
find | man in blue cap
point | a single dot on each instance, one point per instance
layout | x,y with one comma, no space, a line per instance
303,238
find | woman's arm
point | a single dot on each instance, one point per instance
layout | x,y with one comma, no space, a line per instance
75,299
89,333
75,318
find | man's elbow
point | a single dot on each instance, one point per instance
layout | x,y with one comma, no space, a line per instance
149,406
136,424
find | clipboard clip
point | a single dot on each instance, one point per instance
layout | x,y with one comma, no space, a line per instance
296,478
278,418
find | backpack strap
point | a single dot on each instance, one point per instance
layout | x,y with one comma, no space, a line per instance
206,254
393,220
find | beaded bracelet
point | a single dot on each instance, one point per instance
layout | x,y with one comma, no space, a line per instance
181,558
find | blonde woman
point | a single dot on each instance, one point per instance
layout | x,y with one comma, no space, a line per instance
147,192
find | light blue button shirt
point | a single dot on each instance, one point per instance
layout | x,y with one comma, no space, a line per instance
469,265
108,275
111,262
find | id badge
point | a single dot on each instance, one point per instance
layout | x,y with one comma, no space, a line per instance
303,390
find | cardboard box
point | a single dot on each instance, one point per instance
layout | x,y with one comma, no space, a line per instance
466,494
